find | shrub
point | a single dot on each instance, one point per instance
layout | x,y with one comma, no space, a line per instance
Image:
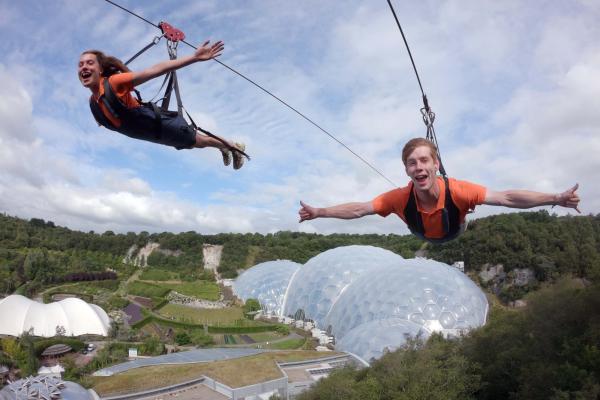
182,338
200,339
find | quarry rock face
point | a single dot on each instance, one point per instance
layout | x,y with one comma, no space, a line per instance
139,256
212,256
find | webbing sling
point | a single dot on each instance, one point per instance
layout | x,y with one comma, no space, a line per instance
450,215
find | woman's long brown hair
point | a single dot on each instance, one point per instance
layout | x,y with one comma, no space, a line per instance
110,65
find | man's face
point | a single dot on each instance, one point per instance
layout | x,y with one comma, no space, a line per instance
89,70
421,168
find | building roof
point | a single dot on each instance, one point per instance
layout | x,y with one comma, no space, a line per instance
56,349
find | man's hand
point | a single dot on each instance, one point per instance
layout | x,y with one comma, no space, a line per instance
307,212
207,52
569,198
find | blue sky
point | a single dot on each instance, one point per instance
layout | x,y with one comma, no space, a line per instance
515,86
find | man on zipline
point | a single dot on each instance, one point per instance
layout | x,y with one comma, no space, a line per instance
434,207
113,106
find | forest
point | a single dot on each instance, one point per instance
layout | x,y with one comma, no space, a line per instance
34,252
549,349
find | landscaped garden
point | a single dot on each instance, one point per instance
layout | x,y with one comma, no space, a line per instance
218,316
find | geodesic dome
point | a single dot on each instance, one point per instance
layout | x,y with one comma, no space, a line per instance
373,298
431,294
372,339
19,314
319,283
267,282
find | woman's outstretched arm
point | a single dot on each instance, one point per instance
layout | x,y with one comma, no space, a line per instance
203,53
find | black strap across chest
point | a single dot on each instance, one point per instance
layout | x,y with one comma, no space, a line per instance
450,215
119,110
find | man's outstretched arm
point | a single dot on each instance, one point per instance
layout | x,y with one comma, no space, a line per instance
528,199
341,211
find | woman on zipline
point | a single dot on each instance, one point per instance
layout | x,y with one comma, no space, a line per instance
114,107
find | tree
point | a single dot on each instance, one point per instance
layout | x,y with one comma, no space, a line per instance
251,305
200,339
182,338
60,330
152,346
27,360
11,348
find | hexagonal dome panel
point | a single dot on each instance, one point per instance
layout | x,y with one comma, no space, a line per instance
428,293
319,283
267,282
372,339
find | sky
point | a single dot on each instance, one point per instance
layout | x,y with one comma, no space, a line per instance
515,87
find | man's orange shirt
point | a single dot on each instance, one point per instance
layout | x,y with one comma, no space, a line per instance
122,85
466,196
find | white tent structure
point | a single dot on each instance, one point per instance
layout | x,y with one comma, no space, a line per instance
19,314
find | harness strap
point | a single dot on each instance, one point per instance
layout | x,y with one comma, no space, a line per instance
212,135
177,94
450,214
412,215
142,51
111,101
166,99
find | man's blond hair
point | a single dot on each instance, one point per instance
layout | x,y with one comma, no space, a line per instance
412,144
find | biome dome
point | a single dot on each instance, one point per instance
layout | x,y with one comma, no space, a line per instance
370,340
267,282
319,283
371,299
431,294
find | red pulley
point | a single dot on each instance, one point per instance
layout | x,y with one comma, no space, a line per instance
171,33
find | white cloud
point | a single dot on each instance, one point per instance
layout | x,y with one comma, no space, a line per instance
514,86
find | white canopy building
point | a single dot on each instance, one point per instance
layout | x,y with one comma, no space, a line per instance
19,314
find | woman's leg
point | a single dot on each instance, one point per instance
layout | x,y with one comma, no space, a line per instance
208,141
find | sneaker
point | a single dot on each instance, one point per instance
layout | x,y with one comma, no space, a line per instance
226,153
238,158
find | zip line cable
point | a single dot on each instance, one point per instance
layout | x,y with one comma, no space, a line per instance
426,112
270,94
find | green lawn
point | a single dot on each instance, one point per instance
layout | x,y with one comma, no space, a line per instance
289,344
199,289
264,336
158,275
146,289
222,316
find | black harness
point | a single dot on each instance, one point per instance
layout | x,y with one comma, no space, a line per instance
146,122
450,217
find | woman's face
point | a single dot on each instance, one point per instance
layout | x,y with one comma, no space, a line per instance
89,71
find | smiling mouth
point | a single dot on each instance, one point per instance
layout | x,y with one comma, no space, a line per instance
420,178
85,75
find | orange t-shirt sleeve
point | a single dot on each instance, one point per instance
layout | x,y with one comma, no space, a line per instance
393,201
122,85
467,195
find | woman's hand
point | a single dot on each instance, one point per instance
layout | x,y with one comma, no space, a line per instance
208,51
